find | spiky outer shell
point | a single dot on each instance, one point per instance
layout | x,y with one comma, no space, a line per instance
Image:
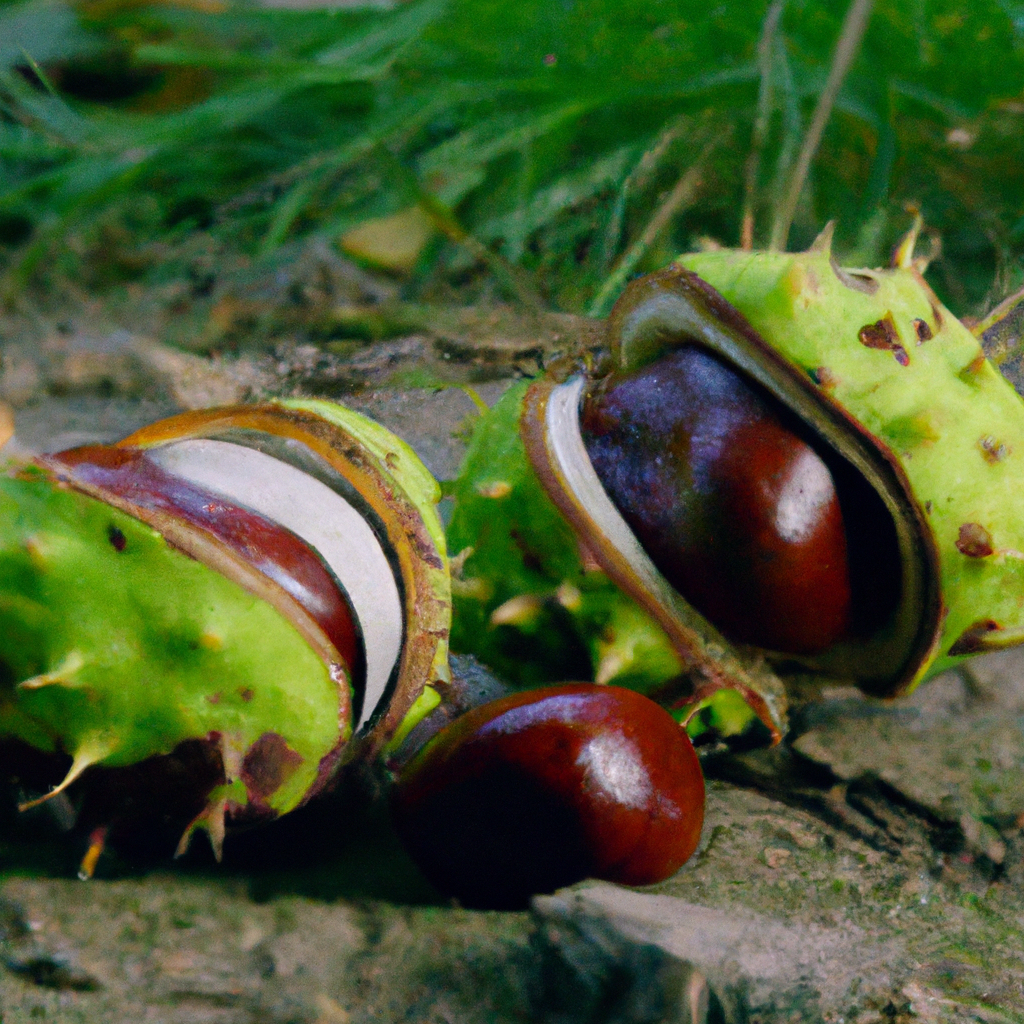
532,603
879,355
116,647
880,345
116,655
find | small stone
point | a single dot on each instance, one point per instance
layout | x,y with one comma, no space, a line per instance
776,856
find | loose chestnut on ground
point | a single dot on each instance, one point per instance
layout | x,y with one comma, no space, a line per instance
542,789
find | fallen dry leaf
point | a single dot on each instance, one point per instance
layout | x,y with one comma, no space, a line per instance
6,424
391,243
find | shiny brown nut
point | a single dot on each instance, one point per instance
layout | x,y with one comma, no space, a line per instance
735,507
544,788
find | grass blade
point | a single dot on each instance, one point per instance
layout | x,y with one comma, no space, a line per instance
681,196
850,38
765,48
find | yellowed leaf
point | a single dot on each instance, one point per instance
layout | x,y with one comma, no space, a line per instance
392,243
6,424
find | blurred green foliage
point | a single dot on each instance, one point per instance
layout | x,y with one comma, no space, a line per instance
548,131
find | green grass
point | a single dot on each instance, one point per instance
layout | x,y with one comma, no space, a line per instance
546,138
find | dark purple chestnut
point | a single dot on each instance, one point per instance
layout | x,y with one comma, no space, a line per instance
545,788
729,498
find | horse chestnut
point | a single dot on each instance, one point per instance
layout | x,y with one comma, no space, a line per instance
544,788
736,508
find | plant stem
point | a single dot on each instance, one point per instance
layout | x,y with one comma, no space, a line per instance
764,105
680,196
846,49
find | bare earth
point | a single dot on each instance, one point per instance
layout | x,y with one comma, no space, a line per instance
868,870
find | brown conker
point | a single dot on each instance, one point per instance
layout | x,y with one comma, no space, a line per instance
729,497
545,788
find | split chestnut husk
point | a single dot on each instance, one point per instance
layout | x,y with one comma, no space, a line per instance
782,469
542,789
229,605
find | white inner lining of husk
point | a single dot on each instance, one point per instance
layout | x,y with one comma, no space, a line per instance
566,447
323,519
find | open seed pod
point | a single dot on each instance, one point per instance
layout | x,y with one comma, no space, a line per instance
223,609
785,467
900,387
540,596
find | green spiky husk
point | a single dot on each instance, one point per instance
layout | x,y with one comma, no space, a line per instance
114,656
954,424
117,648
936,409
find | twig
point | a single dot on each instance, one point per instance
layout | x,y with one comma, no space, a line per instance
680,196
846,49
764,106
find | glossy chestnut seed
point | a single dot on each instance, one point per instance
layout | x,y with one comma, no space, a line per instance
542,789
735,507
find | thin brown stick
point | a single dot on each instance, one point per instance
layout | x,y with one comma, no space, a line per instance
846,49
764,106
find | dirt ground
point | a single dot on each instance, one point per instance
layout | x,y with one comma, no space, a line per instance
867,870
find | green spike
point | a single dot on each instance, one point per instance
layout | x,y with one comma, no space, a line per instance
92,751
211,821
63,675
